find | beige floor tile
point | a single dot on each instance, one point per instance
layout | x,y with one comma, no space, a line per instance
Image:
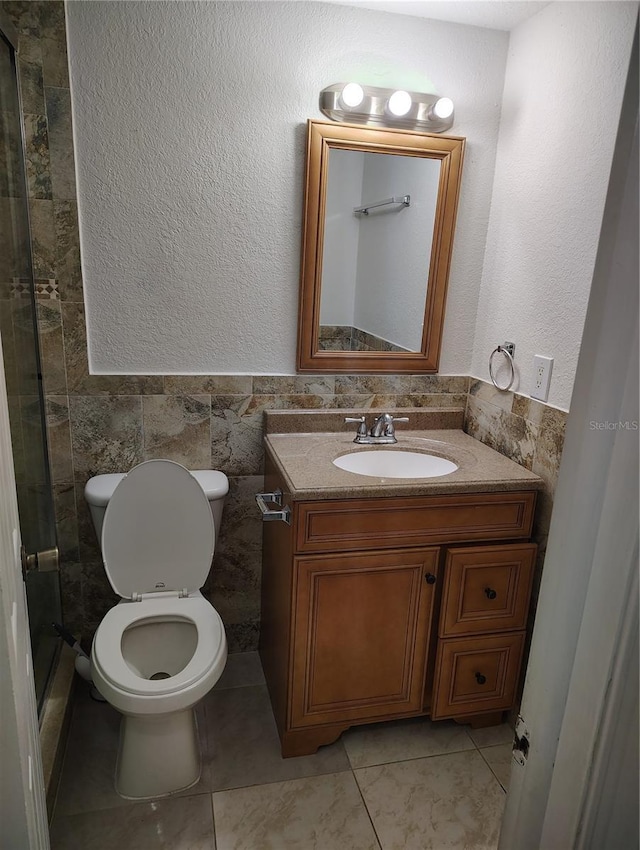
244,747
317,813
499,760
448,802
242,670
88,771
181,823
417,737
491,736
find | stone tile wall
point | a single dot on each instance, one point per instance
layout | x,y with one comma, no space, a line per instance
208,422
530,433
108,423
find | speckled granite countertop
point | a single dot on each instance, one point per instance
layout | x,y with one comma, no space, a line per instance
305,460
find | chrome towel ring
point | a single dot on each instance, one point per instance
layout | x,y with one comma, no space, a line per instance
501,349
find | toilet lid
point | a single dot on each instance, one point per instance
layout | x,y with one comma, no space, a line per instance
158,531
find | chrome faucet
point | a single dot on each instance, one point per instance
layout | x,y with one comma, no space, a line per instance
382,431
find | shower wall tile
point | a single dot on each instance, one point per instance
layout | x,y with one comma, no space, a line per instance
51,20
64,504
9,353
59,438
51,346
106,434
63,175
67,250
43,238
178,428
31,83
37,156
55,66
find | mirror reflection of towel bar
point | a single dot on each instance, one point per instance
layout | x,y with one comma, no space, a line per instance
405,200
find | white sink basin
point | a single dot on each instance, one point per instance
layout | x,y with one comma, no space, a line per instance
395,464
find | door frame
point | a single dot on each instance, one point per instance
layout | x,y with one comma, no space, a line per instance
582,649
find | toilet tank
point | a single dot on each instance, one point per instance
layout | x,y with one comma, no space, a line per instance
99,489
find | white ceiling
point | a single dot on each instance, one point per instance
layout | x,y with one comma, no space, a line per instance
494,14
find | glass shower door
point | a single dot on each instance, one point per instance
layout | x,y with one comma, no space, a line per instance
18,331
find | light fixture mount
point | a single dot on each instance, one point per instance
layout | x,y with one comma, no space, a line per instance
427,112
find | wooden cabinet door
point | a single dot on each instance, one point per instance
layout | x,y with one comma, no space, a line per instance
361,628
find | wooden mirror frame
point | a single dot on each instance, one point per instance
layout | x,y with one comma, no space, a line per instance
322,137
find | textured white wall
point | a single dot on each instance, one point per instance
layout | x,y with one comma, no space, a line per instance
189,132
395,248
563,93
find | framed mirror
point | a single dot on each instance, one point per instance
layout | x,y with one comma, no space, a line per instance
379,218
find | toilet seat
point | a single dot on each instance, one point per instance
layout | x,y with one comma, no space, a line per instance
158,532
109,661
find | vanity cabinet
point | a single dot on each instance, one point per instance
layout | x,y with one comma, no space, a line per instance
380,608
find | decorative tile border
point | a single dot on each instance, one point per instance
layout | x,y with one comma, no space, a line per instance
44,289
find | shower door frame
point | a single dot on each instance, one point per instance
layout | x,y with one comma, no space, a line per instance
10,37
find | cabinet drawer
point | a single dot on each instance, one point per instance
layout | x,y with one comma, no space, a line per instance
359,524
476,675
486,589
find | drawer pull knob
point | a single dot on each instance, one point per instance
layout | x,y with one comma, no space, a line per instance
480,679
430,578
491,594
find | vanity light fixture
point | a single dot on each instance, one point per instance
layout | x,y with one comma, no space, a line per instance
357,104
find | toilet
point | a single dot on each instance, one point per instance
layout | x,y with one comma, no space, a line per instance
163,646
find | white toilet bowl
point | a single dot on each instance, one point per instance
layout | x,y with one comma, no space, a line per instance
163,647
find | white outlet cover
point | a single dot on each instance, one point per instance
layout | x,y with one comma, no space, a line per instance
542,368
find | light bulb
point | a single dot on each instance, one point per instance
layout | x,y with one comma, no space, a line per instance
443,107
399,103
352,95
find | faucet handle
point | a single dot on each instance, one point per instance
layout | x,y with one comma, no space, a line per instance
390,430
362,426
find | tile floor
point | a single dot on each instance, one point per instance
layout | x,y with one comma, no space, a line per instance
405,785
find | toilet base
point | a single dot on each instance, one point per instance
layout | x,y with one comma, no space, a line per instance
158,755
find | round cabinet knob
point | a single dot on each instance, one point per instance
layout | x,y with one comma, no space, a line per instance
480,679
430,578
491,594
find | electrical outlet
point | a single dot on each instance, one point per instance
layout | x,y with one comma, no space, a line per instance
542,368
